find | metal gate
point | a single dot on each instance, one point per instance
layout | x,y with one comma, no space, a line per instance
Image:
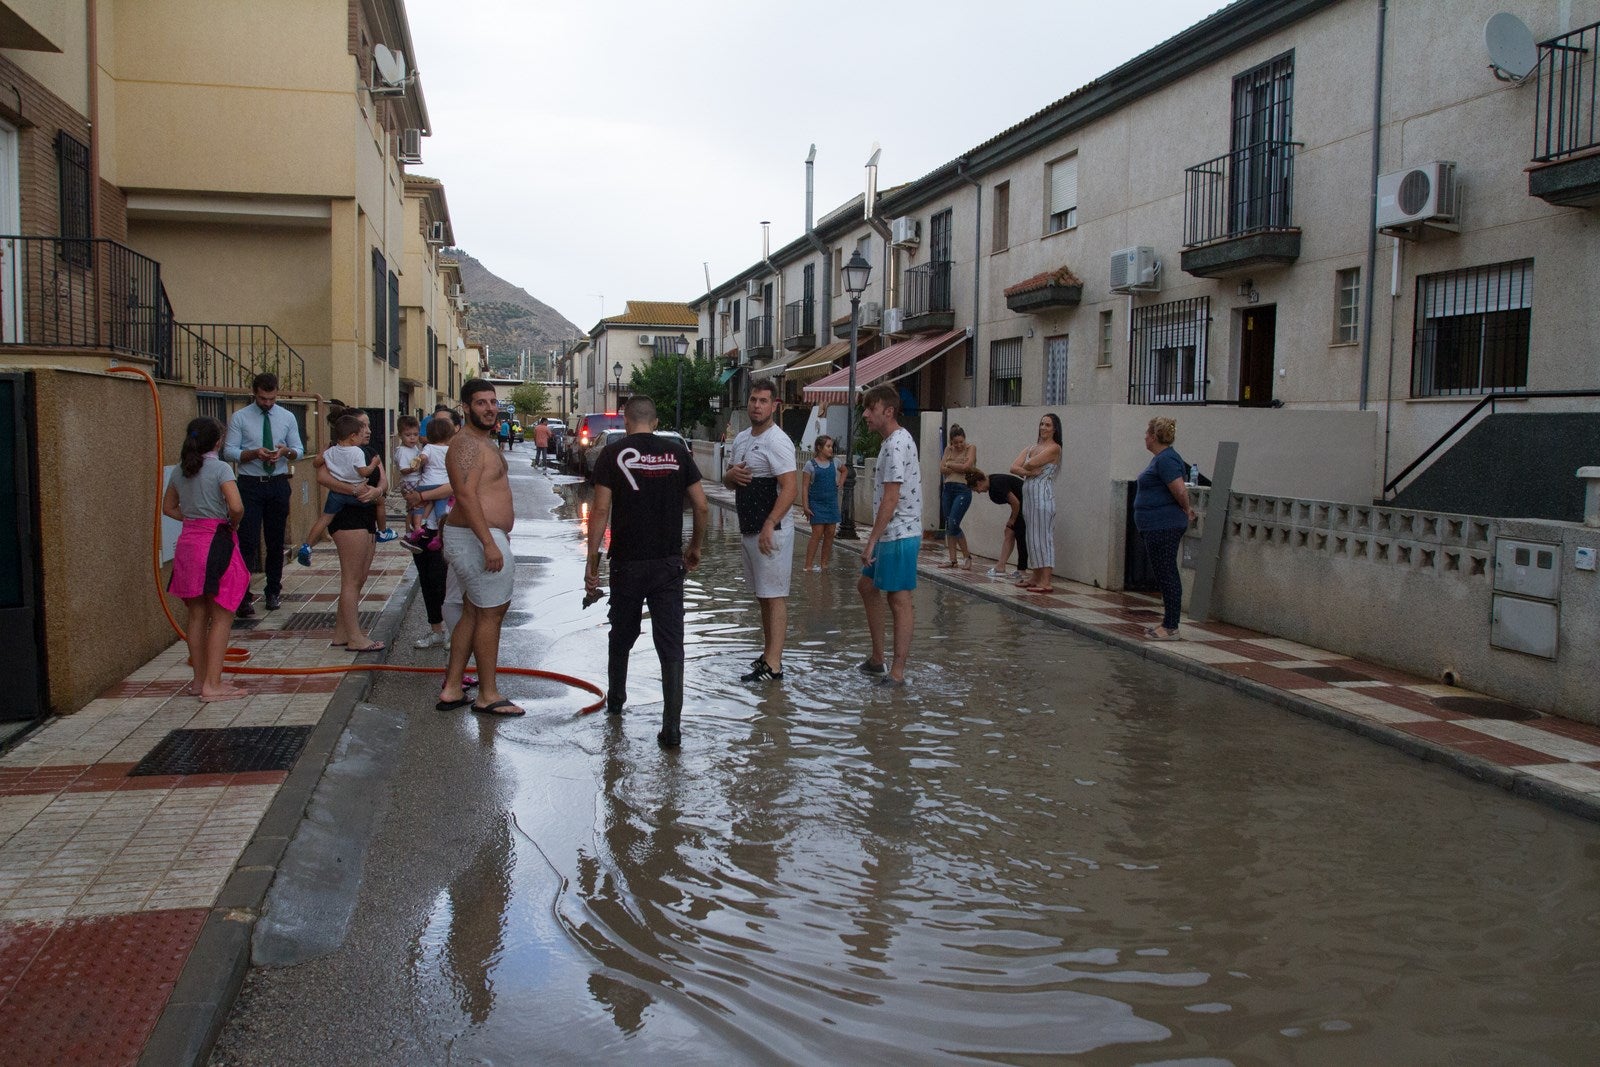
22,652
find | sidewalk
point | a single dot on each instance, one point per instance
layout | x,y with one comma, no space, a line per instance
130,875
124,849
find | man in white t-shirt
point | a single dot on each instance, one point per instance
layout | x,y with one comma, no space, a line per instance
890,555
762,477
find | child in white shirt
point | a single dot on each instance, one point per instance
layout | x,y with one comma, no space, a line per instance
408,463
347,462
432,476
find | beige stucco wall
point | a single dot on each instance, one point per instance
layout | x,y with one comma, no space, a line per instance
65,25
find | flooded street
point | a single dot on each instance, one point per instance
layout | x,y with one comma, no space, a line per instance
1043,849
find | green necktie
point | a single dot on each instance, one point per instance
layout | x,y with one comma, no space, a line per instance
266,439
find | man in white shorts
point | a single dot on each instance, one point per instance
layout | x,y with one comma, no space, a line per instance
477,545
763,481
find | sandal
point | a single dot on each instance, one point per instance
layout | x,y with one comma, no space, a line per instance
1161,633
948,566
493,709
1040,589
376,646
452,705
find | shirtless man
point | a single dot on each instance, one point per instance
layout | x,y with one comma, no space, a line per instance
477,545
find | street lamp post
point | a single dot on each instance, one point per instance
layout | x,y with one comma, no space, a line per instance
681,347
856,273
616,369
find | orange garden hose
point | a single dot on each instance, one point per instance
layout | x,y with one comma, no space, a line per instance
236,655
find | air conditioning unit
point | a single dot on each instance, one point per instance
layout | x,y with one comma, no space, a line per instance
1135,270
905,232
411,146
894,320
436,233
1425,194
722,305
646,341
871,313
752,289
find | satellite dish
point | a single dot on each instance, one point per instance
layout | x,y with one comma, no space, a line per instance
392,65
1512,53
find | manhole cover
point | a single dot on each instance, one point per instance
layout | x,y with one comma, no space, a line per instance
1332,674
1485,708
228,750
325,620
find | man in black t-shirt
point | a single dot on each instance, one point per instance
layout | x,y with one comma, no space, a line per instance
639,486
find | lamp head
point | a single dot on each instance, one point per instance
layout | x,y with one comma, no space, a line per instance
681,345
856,274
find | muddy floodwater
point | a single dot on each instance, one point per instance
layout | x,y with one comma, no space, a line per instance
1042,850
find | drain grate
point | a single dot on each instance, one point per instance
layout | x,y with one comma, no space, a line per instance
1332,674
324,620
228,750
1485,708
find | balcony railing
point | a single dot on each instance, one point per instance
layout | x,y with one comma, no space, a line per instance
228,355
1243,192
1564,112
90,293
758,332
798,318
927,289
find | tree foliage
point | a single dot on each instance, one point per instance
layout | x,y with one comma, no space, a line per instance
530,398
658,379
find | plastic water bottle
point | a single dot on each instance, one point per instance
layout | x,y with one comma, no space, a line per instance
1194,474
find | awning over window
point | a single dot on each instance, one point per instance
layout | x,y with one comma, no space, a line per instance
729,373
812,364
879,366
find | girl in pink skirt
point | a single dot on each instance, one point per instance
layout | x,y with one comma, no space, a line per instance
208,574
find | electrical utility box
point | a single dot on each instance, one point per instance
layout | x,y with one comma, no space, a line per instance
1527,597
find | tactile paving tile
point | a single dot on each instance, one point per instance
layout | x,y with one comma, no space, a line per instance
227,750
324,620
90,990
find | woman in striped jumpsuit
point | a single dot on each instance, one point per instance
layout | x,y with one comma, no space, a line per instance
1036,466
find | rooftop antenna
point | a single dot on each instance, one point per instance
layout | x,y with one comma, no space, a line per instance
1512,53
871,201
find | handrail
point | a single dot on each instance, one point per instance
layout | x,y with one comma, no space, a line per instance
1487,401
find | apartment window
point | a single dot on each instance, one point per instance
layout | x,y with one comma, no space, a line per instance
1105,339
433,359
1167,357
394,320
1002,217
1005,371
838,272
1063,194
380,306
72,186
1472,330
1347,301
1055,370
737,309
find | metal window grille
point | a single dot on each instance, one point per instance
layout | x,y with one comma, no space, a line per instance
1005,371
380,295
1063,194
1347,327
394,320
1105,339
1472,330
1263,104
1167,355
1055,370
72,170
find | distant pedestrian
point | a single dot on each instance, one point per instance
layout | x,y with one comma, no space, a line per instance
955,496
640,483
1005,490
263,439
891,549
541,443
820,483
762,478
208,574
1161,514
505,431
1036,465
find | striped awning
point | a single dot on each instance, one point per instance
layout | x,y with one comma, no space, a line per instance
812,364
729,373
880,365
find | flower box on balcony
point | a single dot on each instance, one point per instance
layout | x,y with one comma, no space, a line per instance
1053,289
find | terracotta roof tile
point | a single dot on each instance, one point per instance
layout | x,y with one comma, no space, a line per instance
1059,276
654,313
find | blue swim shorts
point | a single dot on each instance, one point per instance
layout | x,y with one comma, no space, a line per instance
895,567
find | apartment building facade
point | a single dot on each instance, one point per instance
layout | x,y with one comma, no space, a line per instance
433,305
1195,230
620,344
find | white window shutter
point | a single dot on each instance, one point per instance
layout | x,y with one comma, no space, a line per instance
1064,185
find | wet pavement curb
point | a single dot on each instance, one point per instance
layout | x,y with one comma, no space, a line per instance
214,972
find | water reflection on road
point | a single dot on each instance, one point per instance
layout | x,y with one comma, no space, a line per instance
1042,848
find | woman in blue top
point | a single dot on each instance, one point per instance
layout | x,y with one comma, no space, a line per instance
819,499
1161,513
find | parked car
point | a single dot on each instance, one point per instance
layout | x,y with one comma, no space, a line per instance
558,439
589,428
591,455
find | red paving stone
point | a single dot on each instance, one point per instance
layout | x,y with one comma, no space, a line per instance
110,777
1240,647
1276,677
89,991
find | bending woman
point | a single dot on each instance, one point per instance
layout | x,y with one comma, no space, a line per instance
955,496
208,574
355,535
1161,514
1036,465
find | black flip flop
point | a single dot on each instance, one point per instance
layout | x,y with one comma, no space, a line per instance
489,709
453,705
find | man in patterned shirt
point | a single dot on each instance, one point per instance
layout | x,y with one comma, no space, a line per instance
890,554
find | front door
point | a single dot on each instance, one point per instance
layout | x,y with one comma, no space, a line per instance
21,659
1256,348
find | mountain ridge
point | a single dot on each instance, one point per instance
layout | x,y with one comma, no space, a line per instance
506,317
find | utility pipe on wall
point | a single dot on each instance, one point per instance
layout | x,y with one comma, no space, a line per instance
977,273
1372,210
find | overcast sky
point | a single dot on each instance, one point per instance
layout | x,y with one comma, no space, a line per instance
611,147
